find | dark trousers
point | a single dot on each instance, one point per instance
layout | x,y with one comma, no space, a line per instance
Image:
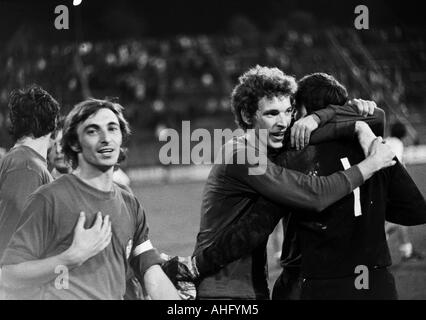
381,286
289,286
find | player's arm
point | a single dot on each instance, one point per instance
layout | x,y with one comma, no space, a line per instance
33,273
146,262
294,189
355,109
405,203
343,126
336,122
22,263
158,285
239,238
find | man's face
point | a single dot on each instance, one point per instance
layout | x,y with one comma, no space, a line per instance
100,140
56,156
274,115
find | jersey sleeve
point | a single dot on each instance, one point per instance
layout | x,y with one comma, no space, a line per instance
326,114
340,124
144,255
405,203
377,121
294,189
241,237
30,241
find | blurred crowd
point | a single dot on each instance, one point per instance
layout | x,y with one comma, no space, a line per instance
164,81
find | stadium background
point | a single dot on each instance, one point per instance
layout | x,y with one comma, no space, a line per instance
169,61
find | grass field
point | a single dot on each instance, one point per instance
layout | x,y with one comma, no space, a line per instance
174,213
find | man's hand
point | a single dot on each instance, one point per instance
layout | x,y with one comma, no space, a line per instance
180,268
382,153
380,157
301,131
365,107
89,242
365,136
183,273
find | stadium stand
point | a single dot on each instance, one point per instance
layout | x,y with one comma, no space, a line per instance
164,81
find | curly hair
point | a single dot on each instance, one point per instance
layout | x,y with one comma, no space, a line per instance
256,83
80,113
33,112
318,90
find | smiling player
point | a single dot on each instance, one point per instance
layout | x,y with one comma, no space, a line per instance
56,234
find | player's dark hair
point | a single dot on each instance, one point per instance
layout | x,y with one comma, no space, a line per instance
61,122
398,130
79,114
33,112
59,127
255,84
318,90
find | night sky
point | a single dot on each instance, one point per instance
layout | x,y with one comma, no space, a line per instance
126,18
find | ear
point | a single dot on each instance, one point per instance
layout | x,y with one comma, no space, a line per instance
246,118
76,147
301,112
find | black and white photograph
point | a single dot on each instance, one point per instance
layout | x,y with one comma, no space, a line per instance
230,151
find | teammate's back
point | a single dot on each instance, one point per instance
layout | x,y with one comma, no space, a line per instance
22,171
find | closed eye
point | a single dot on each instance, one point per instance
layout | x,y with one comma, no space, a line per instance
290,110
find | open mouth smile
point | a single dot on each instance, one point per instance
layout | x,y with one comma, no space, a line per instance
106,151
278,134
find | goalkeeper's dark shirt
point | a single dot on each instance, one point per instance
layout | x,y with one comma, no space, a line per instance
334,243
231,191
240,237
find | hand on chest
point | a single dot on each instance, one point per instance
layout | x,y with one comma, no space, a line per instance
122,221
